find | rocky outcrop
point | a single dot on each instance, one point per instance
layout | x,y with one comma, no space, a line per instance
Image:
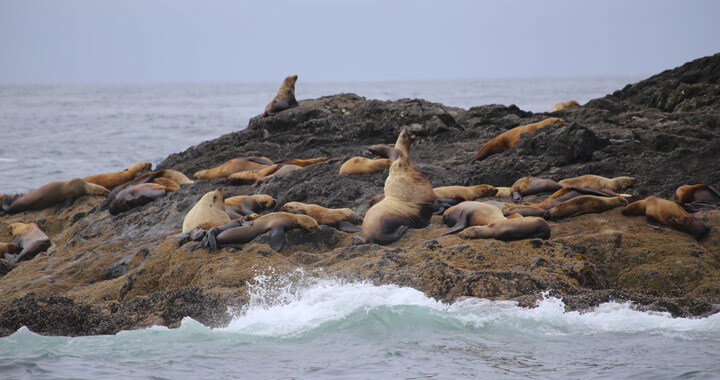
105,273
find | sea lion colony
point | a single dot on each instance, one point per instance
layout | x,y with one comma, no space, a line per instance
408,201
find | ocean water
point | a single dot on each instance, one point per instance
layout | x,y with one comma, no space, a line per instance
58,132
301,327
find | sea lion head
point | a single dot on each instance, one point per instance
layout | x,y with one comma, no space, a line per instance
294,208
288,85
402,165
265,201
404,140
90,188
140,167
623,182
692,225
214,199
556,120
18,229
307,223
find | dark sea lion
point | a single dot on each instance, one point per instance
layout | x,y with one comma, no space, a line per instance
235,232
532,185
585,204
563,105
402,146
112,180
531,227
697,193
61,193
362,165
207,213
285,97
408,202
233,166
9,248
340,218
668,213
32,240
138,195
596,182
249,204
508,139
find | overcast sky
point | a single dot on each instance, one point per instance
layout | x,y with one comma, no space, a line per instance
91,41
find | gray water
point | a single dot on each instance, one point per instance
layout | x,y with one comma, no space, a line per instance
58,132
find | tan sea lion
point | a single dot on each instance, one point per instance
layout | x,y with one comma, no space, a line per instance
341,218
138,195
503,191
563,105
285,97
508,139
9,248
61,193
233,166
111,180
402,146
585,204
464,193
532,185
362,165
408,202
596,182
668,213
244,205
303,163
697,193
470,213
207,213
251,176
32,240
510,229
235,232
563,194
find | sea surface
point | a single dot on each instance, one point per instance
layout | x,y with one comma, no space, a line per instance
308,326
58,132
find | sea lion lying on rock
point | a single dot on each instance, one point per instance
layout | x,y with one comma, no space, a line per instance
563,105
341,218
698,197
244,205
233,166
251,176
532,185
508,139
510,229
285,97
402,146
470,213
362,165
596,182
668,213
112,180
60,193
30,238
138,195
584,204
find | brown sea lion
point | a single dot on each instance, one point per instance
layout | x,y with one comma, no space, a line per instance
697,193
408,202
340,218
285,97
563,194
138,195
470,213
235,232
532,185
32,240
362,165
563,105
668,213
111,180
596,182
233,166
9,248
244,205
402,146
61,193
207,213
510,229
508,139
303,163
585,204
464,193
251,176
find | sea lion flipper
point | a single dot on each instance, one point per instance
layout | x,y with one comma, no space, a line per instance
461,224
10,258
277,238
65,204
348,227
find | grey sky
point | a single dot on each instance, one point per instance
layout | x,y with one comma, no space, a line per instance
335,40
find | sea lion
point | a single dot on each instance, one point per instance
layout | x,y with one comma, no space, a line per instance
244,205
585,204
303,163
111,180
508,139
402,146
668,213
282,170
340,218
563,194
9,248
251,176
697,193
285,97
233,166
596,182
32,240
510,229
235,232
503,191
532,185
362,165
61,193
563,105
470,213
408,202
207,213
464,193
138,195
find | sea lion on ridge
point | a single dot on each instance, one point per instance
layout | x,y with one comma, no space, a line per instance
585,204
465,193
233,166
563,105
112,180
596,182
408,202
508,139
284,169
285,97
138,195
244,205
510,229
207,213
362,165
303,163
532,185
402,146
61,193
32,240
341,218
251,176
697,193
668,213
233,233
